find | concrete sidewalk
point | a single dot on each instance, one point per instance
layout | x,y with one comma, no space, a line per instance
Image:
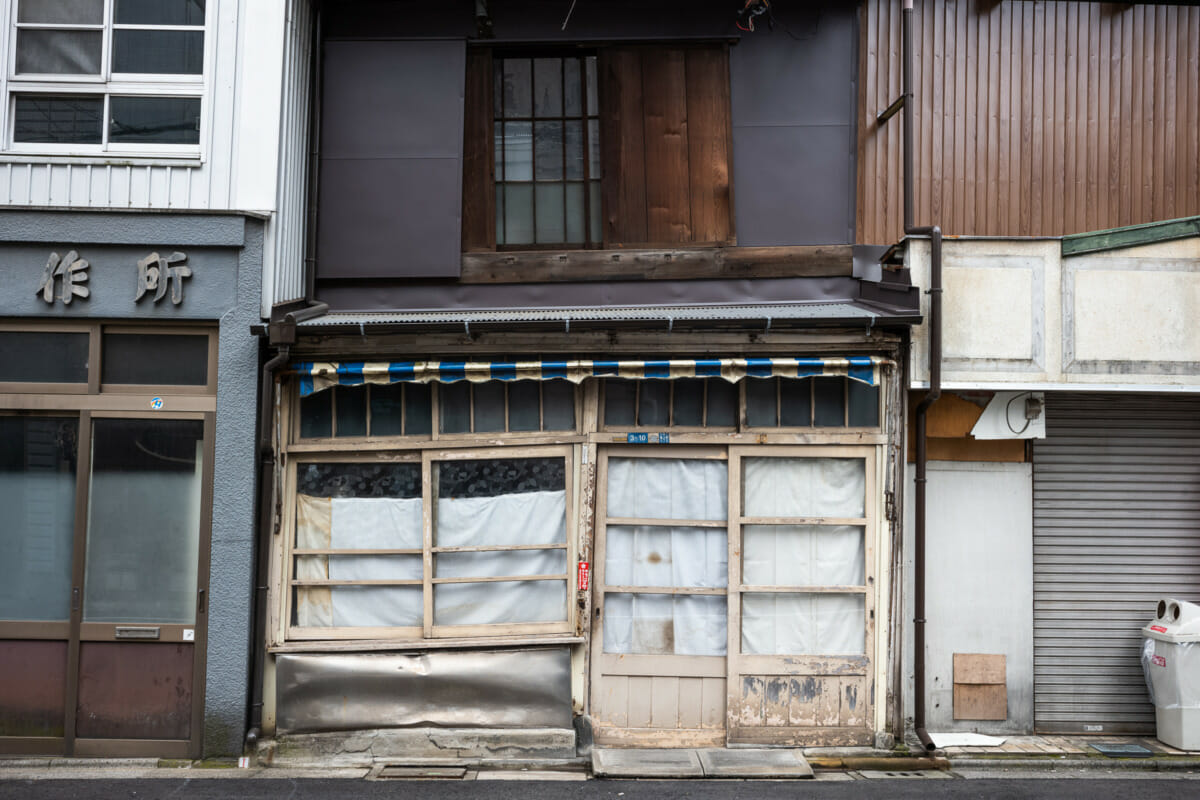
1071,751
1027,753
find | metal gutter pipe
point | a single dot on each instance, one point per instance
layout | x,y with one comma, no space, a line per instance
935,384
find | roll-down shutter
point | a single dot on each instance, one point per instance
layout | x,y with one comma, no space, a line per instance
1116,499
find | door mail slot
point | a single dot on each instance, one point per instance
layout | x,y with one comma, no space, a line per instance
137,633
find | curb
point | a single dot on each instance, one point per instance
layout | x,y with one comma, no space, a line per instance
1086,762
893,763
26,763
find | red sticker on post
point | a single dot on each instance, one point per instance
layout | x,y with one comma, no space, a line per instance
1160,661
1158,628
584,571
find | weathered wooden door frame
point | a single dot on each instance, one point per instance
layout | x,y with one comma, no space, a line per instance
791,671
646,667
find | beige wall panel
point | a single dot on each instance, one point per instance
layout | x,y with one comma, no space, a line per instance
1018,313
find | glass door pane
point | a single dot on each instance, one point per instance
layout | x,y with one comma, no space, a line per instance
143,538
37,495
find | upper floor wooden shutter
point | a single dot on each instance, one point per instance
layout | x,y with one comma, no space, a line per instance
666,141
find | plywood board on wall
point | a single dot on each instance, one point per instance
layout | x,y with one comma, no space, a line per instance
980,690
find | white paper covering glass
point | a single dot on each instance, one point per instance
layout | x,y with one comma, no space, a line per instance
803,624
667,556
803,555
804,487
396,524
662,488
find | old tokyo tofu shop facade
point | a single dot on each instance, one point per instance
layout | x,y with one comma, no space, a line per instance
584,418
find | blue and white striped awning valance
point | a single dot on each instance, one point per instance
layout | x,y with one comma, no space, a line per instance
318,375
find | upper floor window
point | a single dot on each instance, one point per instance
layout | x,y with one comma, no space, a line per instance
629,147
547,138
90,76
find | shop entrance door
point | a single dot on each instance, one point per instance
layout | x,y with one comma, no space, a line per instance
801,520
733,596
102,617
660,617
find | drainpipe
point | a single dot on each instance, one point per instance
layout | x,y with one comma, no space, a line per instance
935,385
281,336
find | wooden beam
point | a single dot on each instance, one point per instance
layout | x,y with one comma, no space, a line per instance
552,266
1131,236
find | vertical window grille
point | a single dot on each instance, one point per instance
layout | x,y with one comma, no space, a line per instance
547,151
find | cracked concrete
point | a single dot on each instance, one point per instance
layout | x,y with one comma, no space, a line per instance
364,748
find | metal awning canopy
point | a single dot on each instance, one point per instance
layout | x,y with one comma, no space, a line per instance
318,375
757,315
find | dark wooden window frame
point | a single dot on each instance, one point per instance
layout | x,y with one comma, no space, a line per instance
592,238
663,183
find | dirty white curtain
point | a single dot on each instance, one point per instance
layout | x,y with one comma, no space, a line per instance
803,624
666,556
522,518
668,488
386,523
359,523
799,623
804,487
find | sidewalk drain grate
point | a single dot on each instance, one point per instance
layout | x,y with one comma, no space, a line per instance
400,772
1123,750
923,774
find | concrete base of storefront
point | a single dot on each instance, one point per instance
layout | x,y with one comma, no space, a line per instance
418,745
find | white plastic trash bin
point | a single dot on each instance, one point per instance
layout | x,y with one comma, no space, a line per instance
1171,661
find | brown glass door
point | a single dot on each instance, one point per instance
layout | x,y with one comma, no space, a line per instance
108,661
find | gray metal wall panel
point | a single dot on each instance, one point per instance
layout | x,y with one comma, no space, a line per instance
537,20
285,280
528,688
391,159
791,184
1116,527
793,105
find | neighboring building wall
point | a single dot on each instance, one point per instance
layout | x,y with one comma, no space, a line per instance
235,166
979,585
288,229
1123,317
225,254
1032,119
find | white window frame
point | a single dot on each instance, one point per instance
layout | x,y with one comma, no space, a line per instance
107,85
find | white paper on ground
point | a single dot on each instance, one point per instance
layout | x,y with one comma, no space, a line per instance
957,739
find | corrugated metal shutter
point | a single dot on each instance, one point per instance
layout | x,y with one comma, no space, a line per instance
1116,520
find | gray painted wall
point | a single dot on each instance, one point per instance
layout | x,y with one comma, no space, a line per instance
391,146
225,253
979,585
793,103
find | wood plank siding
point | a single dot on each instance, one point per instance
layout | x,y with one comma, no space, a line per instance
1031,118
665,135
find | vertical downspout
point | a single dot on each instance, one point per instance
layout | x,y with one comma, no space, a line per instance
935,384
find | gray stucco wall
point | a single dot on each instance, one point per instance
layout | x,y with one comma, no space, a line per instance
979,585
230,574
225,253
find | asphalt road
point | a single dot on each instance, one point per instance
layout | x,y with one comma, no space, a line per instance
1122,785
